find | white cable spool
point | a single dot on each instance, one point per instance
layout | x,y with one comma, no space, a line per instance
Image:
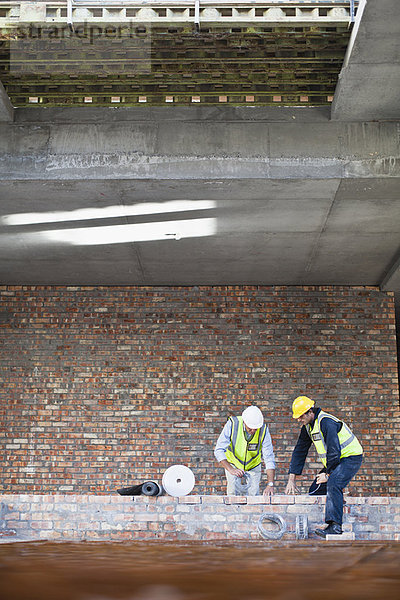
178,480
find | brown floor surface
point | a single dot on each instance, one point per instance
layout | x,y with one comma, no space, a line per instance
302,570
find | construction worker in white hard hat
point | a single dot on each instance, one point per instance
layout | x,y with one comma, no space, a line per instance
339,451
242,445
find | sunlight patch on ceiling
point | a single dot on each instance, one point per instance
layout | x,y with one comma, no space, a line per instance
122,234
107,212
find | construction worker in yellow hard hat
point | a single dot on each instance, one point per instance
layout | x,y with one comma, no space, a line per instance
339,451
241,446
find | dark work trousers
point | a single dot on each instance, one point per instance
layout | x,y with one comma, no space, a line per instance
337,481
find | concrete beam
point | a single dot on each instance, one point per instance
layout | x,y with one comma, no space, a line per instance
196,144
369,83
6,108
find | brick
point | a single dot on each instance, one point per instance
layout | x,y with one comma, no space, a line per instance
344,537
282,499
183,508
309,499
362,528
390,528
213,499
142,517
161,499
190,500
305,509
262,500
235,500
355,500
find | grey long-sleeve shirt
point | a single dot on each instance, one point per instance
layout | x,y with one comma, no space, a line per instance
224,439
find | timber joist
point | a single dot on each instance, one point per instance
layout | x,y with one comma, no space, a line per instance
263,64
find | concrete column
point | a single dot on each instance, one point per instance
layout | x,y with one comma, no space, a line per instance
6,108
369,83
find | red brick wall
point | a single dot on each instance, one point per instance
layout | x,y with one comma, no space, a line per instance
104,387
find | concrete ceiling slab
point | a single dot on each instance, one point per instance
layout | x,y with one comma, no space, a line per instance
262,231
242,258
279,215
353,258
366,216
379,215
370,188
77,269
47,196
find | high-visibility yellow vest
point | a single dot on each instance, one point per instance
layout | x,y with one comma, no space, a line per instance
241,453
349,444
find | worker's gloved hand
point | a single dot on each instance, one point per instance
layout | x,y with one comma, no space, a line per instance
291,488
234,471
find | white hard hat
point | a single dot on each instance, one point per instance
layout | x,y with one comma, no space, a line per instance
252,417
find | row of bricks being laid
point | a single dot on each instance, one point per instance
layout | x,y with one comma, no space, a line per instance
79,499
188,517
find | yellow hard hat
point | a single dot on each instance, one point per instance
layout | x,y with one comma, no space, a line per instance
301,405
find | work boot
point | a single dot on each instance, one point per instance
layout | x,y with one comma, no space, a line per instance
332,529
